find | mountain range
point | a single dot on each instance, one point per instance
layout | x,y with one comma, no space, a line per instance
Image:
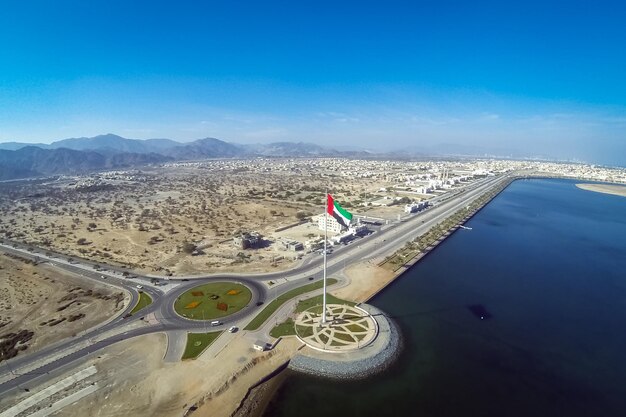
79,155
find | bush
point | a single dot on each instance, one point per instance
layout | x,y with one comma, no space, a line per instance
189,247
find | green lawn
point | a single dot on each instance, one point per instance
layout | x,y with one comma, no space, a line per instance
144,301
283,329
208,297
197,343
287,327
275,305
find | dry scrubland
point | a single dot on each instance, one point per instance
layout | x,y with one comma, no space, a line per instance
40,305
152,220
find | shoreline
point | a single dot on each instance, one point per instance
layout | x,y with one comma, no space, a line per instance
272,382
604,188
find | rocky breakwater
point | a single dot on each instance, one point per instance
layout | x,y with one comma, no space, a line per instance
356,364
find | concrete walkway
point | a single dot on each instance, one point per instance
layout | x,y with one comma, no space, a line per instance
346,329
49,391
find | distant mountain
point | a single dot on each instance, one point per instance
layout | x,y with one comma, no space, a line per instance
32,161
14,146
298,149
79,155
206,148
110,143
458,149
116,143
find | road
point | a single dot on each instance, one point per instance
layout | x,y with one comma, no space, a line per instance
33,369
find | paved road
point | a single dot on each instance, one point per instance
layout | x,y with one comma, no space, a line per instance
35,368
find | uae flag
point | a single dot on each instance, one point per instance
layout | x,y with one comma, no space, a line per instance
340,214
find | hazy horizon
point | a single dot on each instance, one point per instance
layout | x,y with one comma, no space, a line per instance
530,79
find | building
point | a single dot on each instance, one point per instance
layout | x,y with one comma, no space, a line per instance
360,230
343,238
333,225
261,345
415,207
314,244
291,245
248,240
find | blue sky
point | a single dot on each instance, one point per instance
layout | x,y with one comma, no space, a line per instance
542,79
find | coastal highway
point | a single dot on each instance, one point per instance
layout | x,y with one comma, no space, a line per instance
32,369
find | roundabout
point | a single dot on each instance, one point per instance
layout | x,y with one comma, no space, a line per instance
212,300
346,329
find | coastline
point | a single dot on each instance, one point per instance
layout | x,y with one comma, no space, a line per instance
613,189
271,383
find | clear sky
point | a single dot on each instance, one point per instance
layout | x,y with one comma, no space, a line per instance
545,78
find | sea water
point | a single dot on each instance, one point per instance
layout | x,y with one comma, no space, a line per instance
547,262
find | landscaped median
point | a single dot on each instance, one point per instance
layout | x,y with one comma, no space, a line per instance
282,299
197,343
144,301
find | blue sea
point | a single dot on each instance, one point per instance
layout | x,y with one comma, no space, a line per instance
547,261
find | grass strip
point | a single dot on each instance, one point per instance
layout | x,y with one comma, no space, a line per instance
144,301
197,343
284,329
317,301
282,299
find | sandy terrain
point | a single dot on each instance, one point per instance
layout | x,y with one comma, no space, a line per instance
365,280
604,188
52,304
143,219
135,381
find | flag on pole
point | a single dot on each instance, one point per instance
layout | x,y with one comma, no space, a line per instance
343,216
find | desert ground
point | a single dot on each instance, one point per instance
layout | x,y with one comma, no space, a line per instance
134,375
365,279
180,219
40,304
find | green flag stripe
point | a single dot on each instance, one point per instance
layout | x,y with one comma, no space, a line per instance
345,213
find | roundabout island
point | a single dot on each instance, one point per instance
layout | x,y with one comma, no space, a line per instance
212,301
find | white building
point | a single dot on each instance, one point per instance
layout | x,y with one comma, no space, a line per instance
333,225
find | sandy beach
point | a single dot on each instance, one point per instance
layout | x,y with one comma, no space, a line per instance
604,188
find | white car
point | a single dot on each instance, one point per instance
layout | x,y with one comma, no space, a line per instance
140,286
233,329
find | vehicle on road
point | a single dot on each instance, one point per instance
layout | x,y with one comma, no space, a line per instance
233,329
216,323
140,286
103,277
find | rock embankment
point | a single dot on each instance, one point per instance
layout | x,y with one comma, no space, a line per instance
365,362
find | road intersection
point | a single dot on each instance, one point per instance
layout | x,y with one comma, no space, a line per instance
32,369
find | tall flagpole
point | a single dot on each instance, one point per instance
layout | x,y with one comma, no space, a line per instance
325,250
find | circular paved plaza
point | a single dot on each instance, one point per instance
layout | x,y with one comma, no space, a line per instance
347,328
